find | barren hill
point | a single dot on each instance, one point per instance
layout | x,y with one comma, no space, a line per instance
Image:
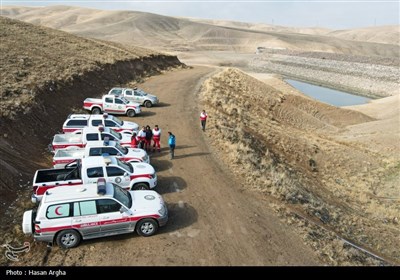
178,34
378,34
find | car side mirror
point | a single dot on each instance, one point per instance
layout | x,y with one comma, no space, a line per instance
126,174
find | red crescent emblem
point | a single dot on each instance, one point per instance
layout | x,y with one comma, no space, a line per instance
56,211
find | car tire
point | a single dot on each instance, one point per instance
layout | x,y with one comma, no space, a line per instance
146,227
69,238
140,186
96,111
148,104
131,113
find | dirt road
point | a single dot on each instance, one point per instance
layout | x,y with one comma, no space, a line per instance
213,220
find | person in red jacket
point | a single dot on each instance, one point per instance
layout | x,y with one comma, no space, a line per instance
156,138
134,140
203,119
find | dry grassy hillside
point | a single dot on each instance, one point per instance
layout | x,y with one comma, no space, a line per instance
292,148
378,34
174,34
33,56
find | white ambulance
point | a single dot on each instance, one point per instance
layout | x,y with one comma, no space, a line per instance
66,215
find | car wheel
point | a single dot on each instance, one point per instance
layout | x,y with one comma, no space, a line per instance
131,113
148,104
96,111
146,227
68,239
140,186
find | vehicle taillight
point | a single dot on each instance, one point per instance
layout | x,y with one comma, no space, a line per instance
37,229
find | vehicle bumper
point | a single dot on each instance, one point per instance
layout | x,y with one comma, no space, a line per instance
162,221
43,237
153,182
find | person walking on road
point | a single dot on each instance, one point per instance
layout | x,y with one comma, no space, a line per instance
203,119
171,143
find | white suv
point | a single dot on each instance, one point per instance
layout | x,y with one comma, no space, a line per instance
66,215
135,95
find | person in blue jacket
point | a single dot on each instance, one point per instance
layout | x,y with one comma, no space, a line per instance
171,143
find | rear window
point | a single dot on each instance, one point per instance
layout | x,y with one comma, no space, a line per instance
92,137
96,122
95,172
58,211
116,91
77,123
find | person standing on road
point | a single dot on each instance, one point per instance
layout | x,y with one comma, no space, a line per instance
134,140
156,138
203,119
149,136
142,138
171,143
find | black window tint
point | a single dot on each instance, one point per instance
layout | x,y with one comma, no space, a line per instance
114,171
92,137
109,100
95,152
110,150
78,123
96,122
137,93
107,206
118,101
128,92
110,137
95,172
110,123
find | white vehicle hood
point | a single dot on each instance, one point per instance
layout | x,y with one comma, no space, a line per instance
137,153
142,168
130,126
146,201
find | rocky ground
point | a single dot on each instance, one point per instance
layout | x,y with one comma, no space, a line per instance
365,75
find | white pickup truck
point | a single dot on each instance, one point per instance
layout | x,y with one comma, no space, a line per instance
135,95
79,139
111,104
133,175
76,122
63,157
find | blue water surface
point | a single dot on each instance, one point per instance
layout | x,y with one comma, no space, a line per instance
327,95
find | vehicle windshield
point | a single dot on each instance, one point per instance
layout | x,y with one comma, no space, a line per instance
118,121
141,92
116,135
123,150
126,101
126,166
122,196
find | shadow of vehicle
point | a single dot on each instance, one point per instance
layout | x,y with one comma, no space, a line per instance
177,156
170,184
180,216
160,165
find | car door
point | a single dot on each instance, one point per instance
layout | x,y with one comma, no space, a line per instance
138,97
111,219
116,175
109,104
86,219
93,173
119,106
129,95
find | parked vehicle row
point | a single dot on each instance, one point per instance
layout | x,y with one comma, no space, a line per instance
99,184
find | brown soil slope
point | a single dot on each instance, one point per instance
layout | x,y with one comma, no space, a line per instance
291,147
44,74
